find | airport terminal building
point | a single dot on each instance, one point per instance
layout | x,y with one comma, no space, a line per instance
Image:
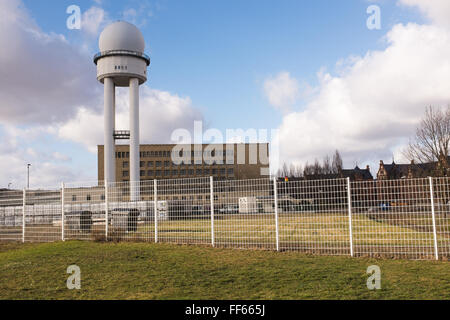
169,161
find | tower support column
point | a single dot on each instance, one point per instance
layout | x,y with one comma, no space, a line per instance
109,151
134,141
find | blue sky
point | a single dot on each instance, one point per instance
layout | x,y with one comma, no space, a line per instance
233,64
219,52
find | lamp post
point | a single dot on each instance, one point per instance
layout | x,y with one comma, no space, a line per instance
28,175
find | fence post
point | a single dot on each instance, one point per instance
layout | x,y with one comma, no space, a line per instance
275,196
155,208
349,200
436,254
106,209
62,212
211,196
24,203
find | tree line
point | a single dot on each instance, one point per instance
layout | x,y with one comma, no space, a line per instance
328,166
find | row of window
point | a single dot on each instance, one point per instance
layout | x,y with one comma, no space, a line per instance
88,197
182,172
159,164
167,154
120,68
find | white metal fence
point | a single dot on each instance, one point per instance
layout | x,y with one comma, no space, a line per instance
407,218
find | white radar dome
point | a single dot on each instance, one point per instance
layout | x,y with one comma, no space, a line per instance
121,35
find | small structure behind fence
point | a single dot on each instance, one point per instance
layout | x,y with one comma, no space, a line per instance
407,218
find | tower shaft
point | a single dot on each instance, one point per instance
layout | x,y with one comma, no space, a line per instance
134,140
109,96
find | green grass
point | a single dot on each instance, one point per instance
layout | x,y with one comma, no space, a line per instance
149,271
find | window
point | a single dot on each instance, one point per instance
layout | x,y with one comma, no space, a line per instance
88,197
125,174
206,171
126,164
150,164
182,172
142,164
214,171
174,172
166,163
199,172
158,173
191,172
222,171
159,163
167,173
102,197
150,173
230,171
142,173
74,198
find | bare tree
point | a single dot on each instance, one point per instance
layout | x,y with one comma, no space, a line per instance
291,172
337,164
432,137
308,170
326,167
298,171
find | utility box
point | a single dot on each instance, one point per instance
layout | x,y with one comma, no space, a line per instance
79,221
125,219
247,205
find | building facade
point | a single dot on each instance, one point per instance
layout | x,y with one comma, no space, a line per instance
413,170
169,161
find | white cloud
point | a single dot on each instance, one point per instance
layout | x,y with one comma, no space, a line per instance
438,11
282,91
44,78
93,20
49,91
160,113
370,109
47,170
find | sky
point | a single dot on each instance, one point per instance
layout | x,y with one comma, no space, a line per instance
310,70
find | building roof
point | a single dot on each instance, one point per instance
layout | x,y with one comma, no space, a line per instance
357,174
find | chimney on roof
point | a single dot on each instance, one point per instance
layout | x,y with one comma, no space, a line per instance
368,168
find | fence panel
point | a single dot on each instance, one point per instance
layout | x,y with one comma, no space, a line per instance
313,216
43,215
244,215
184,211
11,215
131,220
393,218
84,211
442,214
390,218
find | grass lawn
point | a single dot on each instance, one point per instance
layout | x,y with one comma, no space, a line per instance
163,271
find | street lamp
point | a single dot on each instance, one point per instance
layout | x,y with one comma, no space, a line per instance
28,175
